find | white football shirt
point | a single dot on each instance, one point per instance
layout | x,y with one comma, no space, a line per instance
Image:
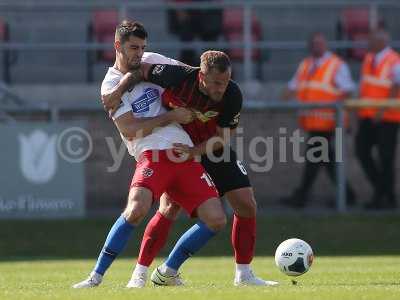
145,101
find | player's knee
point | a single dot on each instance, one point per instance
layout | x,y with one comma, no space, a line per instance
251,207
217,222
247,209
135,211
170,210
134,215
139,203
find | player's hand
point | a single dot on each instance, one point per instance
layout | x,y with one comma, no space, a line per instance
182,115
184,150
111,101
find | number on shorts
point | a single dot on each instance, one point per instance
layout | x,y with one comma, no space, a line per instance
241,167
208,179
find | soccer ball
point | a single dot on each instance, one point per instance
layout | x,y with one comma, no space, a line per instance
294,257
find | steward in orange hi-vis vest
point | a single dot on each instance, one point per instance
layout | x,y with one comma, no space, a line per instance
321,78
376,84
376,138
317,84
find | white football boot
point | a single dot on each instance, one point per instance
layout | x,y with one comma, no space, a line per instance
138,280
159,279
248,278
92,281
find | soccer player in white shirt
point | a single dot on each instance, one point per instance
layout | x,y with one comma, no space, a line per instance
149,133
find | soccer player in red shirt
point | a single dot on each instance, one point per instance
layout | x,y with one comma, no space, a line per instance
217,102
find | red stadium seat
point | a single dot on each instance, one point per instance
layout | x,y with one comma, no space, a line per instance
355,20
101,30
104,23
2,30
233,32
4,37
355,26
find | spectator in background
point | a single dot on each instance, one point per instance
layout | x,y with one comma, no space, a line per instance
322,77
188,24
380,80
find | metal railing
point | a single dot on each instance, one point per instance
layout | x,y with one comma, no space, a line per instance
247,44
340,108
54,111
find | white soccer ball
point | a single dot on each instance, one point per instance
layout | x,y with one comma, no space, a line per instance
294,257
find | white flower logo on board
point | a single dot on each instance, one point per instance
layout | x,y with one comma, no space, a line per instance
38,156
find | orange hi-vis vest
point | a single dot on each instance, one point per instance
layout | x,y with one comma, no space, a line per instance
376,84
316,84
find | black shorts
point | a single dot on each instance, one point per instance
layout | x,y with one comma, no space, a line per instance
227,175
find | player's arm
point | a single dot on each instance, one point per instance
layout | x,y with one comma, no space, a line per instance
222,138
132,128
157,58
161,74
111,99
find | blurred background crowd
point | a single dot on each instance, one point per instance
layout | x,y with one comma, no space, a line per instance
54,54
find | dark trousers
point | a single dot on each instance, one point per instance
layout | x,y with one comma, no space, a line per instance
380,170
311,169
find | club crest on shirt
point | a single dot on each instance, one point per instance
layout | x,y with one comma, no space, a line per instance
147,172
142,104
207,116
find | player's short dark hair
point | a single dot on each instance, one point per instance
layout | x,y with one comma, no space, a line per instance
212,59
130,28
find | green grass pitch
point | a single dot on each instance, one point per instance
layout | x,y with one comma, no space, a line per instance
369,277
356,257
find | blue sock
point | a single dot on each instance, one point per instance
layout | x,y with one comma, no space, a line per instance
115,243
189,243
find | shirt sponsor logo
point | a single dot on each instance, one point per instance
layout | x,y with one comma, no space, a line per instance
158,69
207,116
235,120
142,104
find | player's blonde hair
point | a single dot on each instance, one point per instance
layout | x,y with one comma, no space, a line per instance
212,59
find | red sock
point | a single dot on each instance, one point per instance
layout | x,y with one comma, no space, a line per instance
243,239
154,238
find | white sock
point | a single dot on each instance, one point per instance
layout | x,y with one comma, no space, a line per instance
165,270
139,269
242,269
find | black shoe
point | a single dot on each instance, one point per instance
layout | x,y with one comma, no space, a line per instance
333,203
391,203
376,202
374,205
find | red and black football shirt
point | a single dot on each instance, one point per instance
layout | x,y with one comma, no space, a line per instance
182,89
